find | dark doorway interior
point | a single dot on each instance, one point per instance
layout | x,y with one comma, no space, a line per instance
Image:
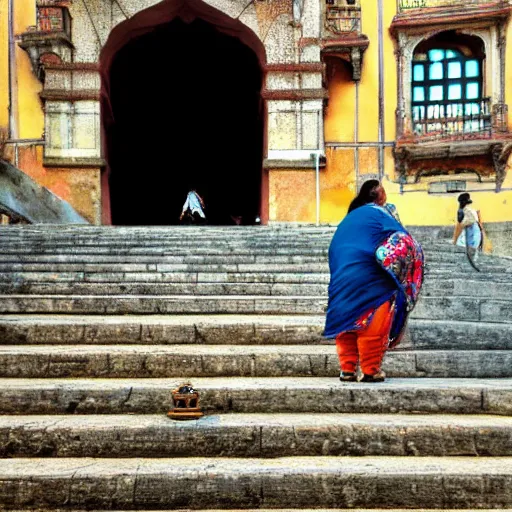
187,110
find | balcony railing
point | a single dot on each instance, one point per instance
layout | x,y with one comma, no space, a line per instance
454,121
404,5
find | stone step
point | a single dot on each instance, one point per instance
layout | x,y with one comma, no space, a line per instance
160,265
257,395
212,246
144,275
450,334
163,284
194,483
113,274
174,329
248,263
159,288
256,435
233,330
115,270
196,254
300,510
161,361
222,257
429,307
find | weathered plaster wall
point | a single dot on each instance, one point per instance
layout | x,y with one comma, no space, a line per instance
79,187
30,112
4,65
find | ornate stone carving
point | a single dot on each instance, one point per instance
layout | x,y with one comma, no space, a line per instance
50,40
350,49
401,163
500,153
500,117
341,17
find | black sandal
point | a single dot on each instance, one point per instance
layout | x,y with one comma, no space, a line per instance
378,377
348,377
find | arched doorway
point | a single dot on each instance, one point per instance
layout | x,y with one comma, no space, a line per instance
182,109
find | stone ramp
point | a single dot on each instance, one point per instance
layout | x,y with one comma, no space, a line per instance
323,482
98,325
22,198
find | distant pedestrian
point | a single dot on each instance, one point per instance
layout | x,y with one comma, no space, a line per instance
468,230
376,271
193,208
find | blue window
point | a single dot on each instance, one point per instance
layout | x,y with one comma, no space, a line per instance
446,84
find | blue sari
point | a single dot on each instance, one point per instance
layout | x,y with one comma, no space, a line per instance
358,283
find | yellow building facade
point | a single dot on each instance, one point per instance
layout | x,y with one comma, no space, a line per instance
412,92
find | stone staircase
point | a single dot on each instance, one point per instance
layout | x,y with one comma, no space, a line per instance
99,324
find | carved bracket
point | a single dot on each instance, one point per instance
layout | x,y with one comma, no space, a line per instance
500,153
500,117
349,49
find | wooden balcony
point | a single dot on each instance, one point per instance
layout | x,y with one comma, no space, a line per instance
406,5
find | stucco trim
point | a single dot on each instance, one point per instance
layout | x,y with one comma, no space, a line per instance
66,95
294,94
75,163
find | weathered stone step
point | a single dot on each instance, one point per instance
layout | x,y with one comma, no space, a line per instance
294,510
161,304
257,395
161,361
162,288
212,247
121,275
114,269
205,255
140,273
450,334
173,329
233,330
194,483
256,435
156,266
164,284
222,257
435,308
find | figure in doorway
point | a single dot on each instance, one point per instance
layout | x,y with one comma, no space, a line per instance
193,209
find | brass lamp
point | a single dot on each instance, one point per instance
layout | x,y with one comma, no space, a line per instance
185,404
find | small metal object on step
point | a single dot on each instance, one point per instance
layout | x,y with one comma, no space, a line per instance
186,404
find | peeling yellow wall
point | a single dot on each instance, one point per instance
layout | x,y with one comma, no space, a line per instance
4,65
79,187
30,112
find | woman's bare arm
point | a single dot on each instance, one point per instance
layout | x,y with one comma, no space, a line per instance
457,232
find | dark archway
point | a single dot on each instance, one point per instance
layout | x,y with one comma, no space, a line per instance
182,108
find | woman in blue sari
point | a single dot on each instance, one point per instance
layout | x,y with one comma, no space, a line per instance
376,274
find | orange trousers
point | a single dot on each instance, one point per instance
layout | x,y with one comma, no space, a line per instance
366,346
